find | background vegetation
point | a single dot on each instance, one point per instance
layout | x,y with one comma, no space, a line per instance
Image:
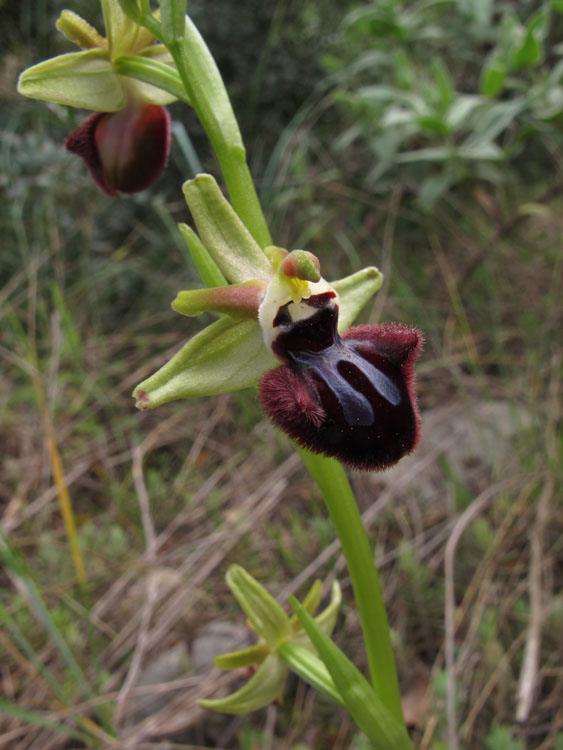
425,137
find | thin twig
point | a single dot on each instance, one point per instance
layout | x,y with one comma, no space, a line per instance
530,664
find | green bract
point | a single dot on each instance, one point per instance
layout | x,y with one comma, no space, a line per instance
232,353
90,79
282,644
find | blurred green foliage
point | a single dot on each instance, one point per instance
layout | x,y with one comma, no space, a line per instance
439,92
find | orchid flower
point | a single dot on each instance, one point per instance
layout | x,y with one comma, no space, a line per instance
345,393
125,143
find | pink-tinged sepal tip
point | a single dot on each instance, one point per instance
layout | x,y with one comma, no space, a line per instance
125,151
350,397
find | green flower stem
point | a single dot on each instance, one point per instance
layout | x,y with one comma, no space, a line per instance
206,91
341,504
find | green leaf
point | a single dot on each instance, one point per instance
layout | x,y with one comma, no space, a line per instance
150,71
493,121
263,687
267,617
226,356
309,667
173,20
492,77
228,241
462,109
443,82
366,708
77,79
531,50
432,188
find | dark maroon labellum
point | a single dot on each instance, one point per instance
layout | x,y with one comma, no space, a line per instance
125,151
348,397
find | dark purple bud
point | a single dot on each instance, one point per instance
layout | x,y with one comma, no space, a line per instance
349,397
125,151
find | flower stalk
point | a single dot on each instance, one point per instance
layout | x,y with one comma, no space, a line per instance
343,509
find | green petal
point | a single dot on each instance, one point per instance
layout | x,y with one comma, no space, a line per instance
79,32
226,356
263,687
77,79
207,268
266,616
244,657
228,241
236,300
354,292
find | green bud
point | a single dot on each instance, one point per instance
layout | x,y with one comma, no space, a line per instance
266,616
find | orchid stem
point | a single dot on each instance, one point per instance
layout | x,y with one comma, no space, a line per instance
341,503
209,98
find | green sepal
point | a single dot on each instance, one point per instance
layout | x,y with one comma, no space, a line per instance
125,36
228,241
355,291
154,75
309,667
244,657
77,79
266,616
264,686
236,300
361,700
207,268
78,31
226,356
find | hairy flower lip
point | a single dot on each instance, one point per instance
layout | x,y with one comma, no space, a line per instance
349,397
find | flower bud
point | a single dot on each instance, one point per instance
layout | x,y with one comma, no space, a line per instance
125,151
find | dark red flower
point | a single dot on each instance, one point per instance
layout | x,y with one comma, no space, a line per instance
125,151
350,397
